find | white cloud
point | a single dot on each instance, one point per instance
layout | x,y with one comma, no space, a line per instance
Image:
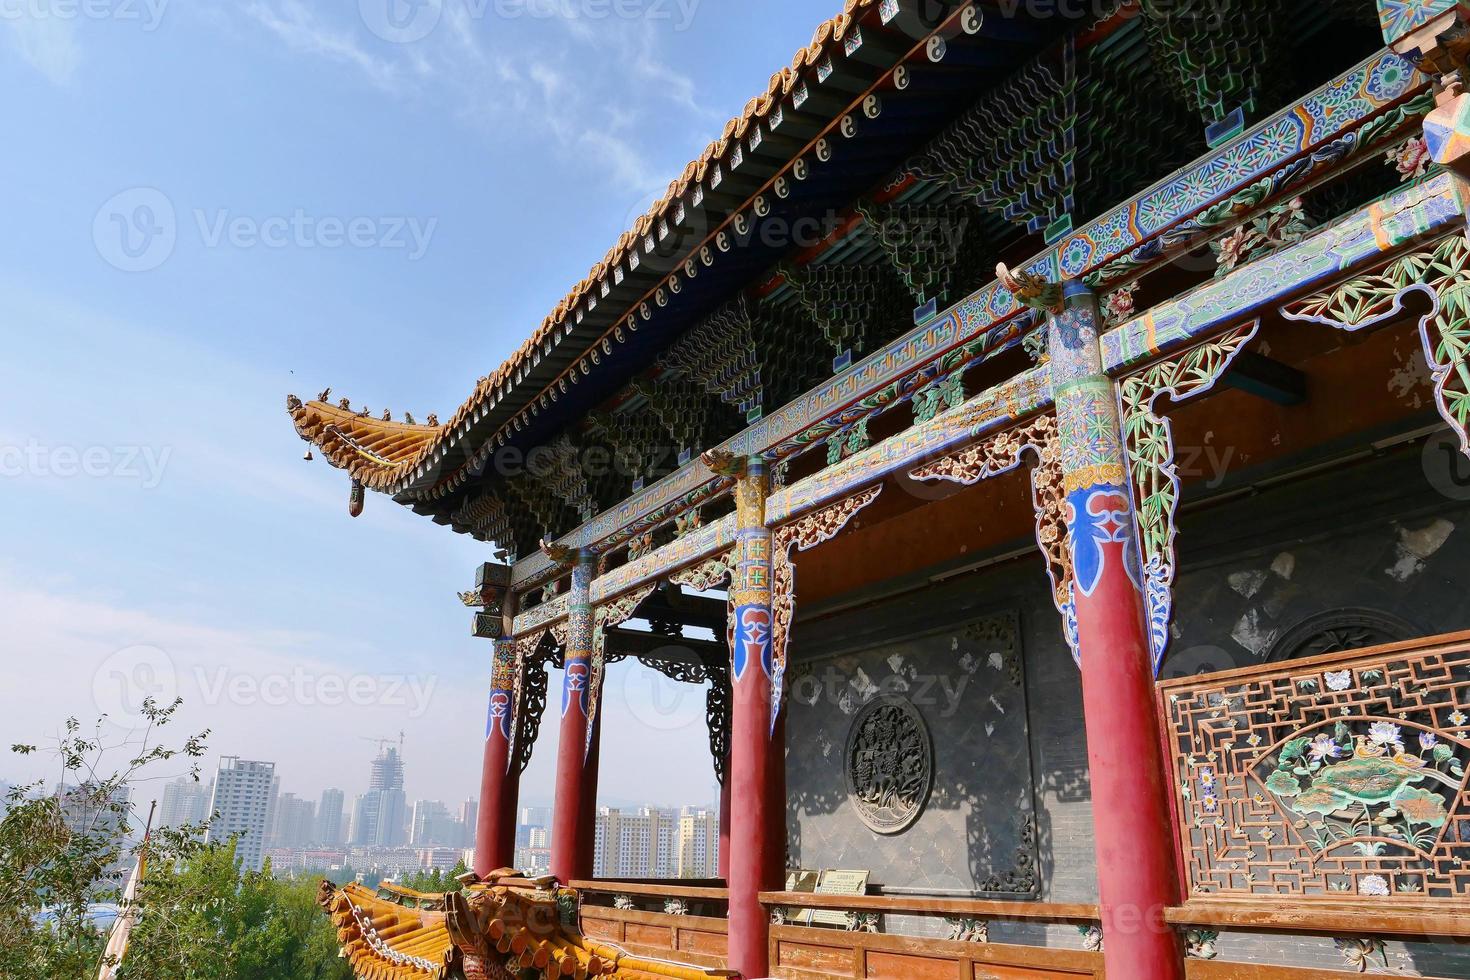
299,28
594,89
47,44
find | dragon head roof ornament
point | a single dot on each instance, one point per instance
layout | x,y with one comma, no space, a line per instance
1030,289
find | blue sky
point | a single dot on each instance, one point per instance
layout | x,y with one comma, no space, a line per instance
210,204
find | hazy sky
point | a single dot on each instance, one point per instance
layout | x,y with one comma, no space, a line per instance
210,204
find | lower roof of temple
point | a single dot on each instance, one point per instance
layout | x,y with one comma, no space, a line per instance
500,927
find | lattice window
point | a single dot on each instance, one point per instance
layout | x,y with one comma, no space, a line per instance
1341,776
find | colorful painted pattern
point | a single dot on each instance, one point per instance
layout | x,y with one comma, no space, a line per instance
991,313
501,717
1149,440
1402,17
577,678
1409,213
537,618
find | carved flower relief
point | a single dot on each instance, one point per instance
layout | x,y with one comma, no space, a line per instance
1366,787
889,764
1375,886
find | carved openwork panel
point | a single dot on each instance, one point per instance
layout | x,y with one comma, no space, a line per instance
1338,776
1148,438
890,764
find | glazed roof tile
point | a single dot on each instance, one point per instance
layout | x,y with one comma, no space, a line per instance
382,455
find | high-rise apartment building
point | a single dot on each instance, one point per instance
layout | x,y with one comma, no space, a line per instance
242,799
185,801
329,828
699,843
295,822
640,844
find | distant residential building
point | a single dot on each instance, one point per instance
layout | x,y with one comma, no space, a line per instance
295,824
441,858
242,799
533,860
430,824
641,844
185,801
329,827
469,815
535,816
699,843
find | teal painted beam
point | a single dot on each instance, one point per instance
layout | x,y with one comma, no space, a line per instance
1400,18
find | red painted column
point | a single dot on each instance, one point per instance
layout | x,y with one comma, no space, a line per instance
500,782
724,871
1133,836
569,858
756,855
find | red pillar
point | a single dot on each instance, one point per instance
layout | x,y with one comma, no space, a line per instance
500,783
724,870
756,855
1133,836
568,860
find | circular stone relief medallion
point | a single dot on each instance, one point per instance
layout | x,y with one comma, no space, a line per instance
890,764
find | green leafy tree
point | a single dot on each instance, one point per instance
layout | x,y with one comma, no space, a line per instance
67,850
206,920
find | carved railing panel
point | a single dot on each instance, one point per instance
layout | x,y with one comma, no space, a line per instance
1341,777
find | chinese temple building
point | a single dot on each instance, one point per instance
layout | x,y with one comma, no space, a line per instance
1059,419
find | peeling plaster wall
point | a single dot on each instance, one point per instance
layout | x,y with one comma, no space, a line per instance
1378,536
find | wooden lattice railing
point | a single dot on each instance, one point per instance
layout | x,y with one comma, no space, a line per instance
1324,783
